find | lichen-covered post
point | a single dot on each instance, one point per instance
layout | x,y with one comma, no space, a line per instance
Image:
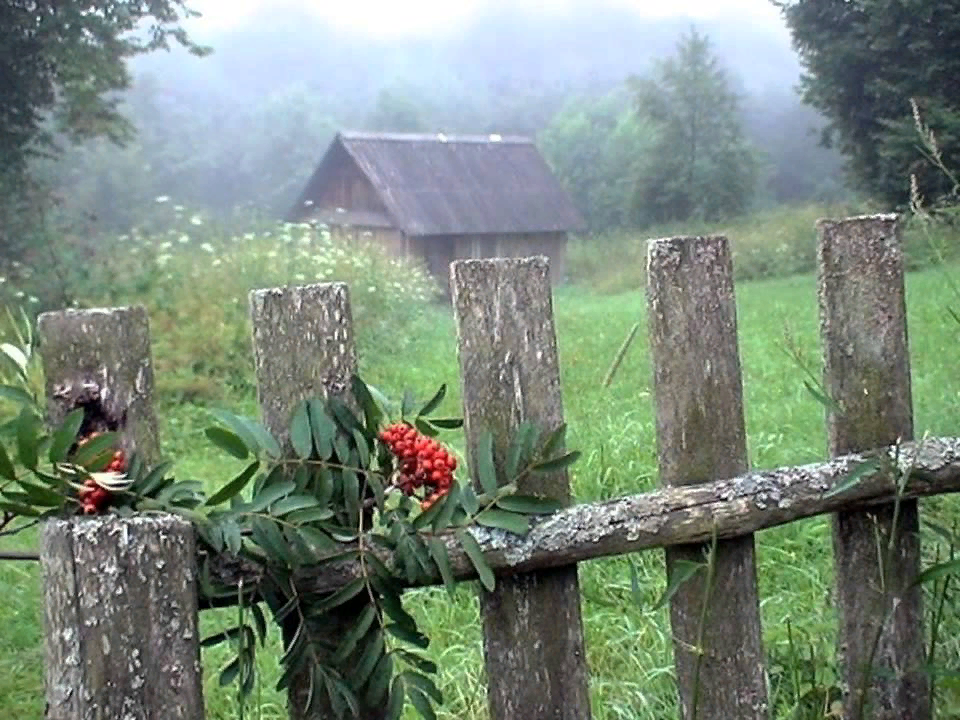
303,347
121,619
701,436
100,360
863,331
509,370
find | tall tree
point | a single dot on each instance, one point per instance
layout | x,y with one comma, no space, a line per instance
62,64
702,166
863,61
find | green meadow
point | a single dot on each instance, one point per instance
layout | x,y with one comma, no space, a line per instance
405,342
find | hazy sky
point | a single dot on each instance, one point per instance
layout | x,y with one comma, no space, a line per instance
422,16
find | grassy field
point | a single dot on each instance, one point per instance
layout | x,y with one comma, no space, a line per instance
628,644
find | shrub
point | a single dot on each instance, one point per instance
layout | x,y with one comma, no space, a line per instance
194,279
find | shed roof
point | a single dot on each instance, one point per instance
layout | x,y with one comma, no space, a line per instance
458,184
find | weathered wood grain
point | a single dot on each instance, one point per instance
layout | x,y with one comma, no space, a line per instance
698,398
863,330
100,359
510,374
120,619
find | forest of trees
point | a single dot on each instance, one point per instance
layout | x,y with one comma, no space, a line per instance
644,121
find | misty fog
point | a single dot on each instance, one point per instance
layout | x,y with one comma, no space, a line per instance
245,126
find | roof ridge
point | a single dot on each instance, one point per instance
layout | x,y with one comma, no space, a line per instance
435,137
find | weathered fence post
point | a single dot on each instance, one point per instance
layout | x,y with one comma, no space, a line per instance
120,593
509,370
701,436
303,347
121,619
863,330
100,360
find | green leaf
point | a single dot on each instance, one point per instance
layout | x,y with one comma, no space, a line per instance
520,448
351,495
292,503
861,471
41,496
425,427
153,481
16,395
267,535
324,485
228,441
349,642
230,672
369,662
414,637
96,452
300,434
20,509
557,463
828,402
511,522
64,437
421,703
220,637
434,402
446,423
314,513
28,440
363,449
380,682
393,607
448,505
324,429
469,499
935,572
372,412
682,572
395,706
423,684
417,661
530,504
438,551
347,592
235,486
253,434
555,440
270,494
17,357
7,471
317,537
473,551
486,471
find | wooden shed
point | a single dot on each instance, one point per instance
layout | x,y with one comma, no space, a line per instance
441,198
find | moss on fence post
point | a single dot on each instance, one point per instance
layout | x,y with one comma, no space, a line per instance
509,370
698,393
863,331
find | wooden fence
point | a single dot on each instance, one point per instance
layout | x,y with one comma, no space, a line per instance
121,595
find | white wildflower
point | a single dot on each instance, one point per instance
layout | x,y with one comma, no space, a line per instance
196,220
183,239
33,299
206,247
166,245
163,198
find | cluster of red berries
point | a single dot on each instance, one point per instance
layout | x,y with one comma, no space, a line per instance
95,497
424,463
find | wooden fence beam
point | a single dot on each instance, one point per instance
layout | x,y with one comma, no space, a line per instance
100,359
121,619
698,396
863,330
303,348
672,516
509,371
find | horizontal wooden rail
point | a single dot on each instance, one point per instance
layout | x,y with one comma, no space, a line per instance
675,515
